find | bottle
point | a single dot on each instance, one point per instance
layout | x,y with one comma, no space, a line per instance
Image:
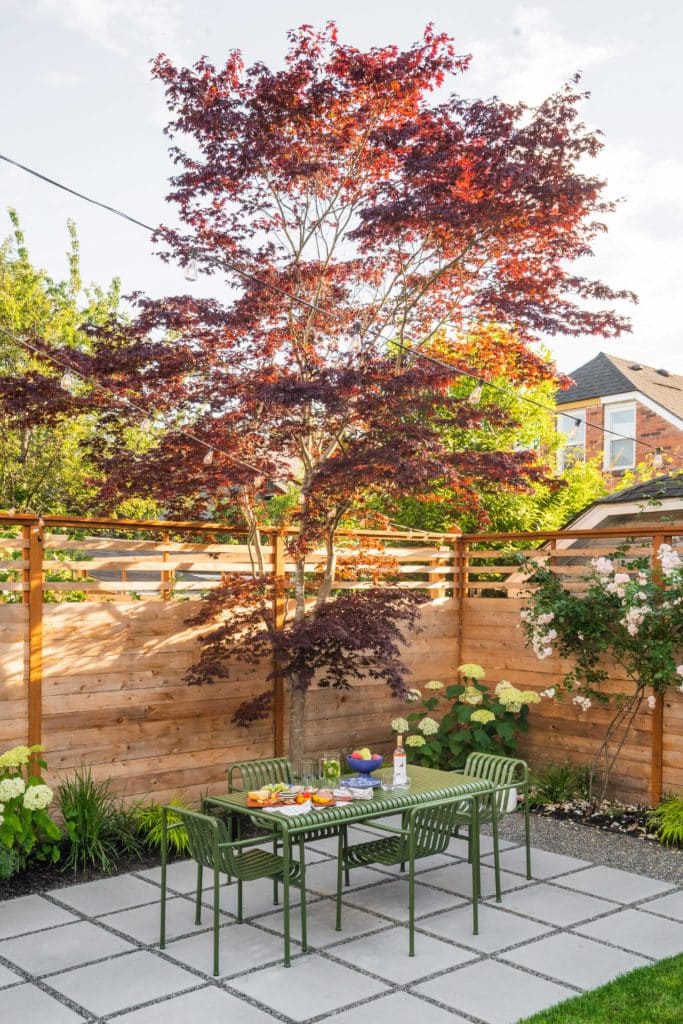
400,763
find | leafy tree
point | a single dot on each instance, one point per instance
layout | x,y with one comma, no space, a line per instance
43,465
356,218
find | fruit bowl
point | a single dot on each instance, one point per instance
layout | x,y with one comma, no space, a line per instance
362,766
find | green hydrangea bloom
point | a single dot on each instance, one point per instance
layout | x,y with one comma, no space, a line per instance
482,715
472,671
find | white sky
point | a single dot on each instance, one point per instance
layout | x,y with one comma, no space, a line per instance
79,105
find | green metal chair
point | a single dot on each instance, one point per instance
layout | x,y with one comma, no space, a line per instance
270,771
211,847
427,830
504,774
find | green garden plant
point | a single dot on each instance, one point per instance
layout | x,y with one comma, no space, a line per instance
99,830
148,821
26,831
469,717
667,820
630,611
558,783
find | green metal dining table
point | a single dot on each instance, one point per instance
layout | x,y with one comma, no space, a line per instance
428,786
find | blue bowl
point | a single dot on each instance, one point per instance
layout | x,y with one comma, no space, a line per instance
364,766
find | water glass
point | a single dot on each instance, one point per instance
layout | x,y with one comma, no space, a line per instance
330,769
308,772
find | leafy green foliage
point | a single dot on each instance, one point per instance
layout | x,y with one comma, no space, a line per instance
26,831
558,783
456,710
98,829
148,822
667,821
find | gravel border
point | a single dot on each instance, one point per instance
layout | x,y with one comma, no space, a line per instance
628,853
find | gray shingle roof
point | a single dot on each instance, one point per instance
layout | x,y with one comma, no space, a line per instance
669,486
609,375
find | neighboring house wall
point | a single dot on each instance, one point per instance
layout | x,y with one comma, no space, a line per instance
651,427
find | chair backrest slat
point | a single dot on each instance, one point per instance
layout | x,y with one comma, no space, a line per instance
254,774
499,771
433,828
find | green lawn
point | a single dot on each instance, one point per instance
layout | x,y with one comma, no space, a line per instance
650,995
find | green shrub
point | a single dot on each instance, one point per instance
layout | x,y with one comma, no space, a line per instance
455,720
99,830
667,821
26,830
558,783
148,821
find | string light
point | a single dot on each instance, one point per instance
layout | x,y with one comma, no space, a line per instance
574,431
67,381
658,459
474,397
208,458
191,271
276,290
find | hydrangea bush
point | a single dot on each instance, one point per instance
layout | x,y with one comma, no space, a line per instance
454,720
631,611
26,830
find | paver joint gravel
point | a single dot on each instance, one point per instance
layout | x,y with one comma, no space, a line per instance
89,953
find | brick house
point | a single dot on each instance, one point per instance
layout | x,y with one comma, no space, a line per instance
629,398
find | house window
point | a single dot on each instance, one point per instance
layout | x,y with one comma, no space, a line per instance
620,446
573,426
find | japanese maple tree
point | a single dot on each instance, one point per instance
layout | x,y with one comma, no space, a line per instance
350,217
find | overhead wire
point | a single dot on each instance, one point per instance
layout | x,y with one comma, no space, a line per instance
480,381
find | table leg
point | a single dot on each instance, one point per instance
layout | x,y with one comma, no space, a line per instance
285,886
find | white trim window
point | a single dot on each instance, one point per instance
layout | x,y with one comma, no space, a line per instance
620,446
573,449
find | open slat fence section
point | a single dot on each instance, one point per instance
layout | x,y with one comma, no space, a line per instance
95,643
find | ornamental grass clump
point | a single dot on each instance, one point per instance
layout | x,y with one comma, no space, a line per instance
454,720
629,610
26,831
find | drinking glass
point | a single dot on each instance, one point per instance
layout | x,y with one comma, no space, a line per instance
308,772
330,768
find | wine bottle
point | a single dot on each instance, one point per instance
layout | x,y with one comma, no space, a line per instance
400,764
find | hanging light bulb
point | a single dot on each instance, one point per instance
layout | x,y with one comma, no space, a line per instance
67,381
208,458
474,397
191,271
657,459
146,425
574,431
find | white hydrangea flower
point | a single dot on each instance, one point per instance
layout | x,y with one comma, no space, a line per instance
400,725
412,695
471,671
428,726
433,684
415,741
550,692
652,702
11,788
37,798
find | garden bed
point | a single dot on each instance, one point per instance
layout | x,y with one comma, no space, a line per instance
622,819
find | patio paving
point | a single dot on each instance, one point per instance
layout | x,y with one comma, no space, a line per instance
88,954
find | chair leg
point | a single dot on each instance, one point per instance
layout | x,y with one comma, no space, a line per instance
340,868
162,923
347,872
198,894
496,846
275,889
476,876
527,831
239,901
216,915
302,884
411,897
469,842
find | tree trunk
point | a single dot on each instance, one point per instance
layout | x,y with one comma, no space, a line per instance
297,733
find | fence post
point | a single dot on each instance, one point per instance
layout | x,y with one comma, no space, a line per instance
165,573
657,752
279,615
33,597
461,562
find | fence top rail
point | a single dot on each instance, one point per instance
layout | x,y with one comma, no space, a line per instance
653,530
181,526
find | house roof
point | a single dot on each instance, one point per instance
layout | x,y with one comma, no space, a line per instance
670,486
609,375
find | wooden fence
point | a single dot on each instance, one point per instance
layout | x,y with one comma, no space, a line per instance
94,643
